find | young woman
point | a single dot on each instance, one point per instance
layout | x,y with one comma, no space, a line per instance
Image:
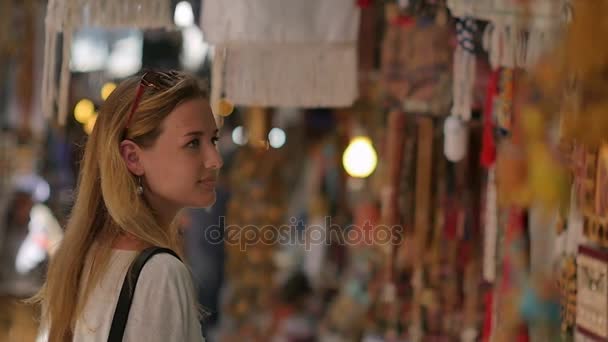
152,152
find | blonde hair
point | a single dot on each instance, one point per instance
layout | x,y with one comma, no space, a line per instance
107,203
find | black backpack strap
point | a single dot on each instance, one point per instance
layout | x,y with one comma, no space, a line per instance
121,314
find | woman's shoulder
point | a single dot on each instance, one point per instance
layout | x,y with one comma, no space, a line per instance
164,265
165,300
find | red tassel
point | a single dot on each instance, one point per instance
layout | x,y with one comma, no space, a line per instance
487,319
488,146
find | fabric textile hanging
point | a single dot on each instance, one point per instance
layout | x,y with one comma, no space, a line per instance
66,16
518,33
287,53
416,64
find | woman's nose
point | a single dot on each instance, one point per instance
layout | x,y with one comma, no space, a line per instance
213,159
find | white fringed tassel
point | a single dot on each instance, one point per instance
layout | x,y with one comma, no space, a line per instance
464,82
124,13
245,22
495,39
490,235
265,75
508,47
511,46
464,69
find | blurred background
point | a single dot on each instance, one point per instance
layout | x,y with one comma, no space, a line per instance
394,170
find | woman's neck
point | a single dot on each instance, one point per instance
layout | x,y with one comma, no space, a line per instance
126,241
165,212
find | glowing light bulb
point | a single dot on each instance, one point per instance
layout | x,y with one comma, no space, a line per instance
277,137
360,158
238,136
83,110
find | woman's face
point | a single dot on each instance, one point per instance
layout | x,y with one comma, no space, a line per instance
180,169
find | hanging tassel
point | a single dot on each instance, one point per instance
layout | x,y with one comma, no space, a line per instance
221,106
488,317
490,229
123,13
488,145
464,69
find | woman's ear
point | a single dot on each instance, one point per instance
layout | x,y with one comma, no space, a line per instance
131,153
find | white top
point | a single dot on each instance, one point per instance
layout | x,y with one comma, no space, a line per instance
164,306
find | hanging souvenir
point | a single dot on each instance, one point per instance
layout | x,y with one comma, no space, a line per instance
518,33
67,16
585,168
488,148
416,63
261,42
456,138
504,105
464,68
592,293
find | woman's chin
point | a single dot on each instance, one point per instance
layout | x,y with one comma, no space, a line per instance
204,200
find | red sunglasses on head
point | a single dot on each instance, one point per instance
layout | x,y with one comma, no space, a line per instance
157,80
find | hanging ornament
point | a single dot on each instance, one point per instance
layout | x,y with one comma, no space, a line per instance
455,139
488,145
222,107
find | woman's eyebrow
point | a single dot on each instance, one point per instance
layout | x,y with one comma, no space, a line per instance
200,133
194,133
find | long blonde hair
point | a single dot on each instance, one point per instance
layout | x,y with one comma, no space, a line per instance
107,203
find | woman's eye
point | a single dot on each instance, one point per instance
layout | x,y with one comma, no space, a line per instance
194,143
214,140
